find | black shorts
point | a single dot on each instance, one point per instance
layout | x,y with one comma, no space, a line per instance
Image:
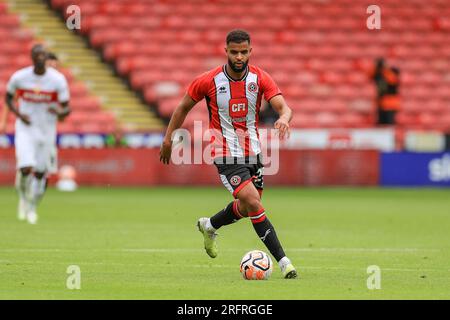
236,176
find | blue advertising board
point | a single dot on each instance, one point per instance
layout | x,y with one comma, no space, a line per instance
96,140
415,169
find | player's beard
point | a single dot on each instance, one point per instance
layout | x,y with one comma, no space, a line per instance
235,69
40,65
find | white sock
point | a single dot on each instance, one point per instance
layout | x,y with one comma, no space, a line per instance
37,190
209,226
284,262
23,184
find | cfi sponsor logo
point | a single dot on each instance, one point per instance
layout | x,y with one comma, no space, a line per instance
235,180
439,169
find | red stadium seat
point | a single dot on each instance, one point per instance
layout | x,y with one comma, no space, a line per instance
406,119
332,77
21,61
66,127
3,8
354,120
167,106
303,120
427,120
78,89
327,120
67,73
139,79
94,127
295,92
86,103
9,21
445,123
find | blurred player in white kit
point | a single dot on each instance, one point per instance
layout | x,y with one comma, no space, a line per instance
42,96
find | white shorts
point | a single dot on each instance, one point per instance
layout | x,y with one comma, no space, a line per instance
33,151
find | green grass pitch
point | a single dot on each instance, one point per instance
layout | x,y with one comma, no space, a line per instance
142,243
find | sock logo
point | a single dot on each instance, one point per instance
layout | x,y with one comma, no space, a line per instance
263,238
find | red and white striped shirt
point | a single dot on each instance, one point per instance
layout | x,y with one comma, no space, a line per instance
233,107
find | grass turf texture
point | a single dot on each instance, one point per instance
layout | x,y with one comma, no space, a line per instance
142,243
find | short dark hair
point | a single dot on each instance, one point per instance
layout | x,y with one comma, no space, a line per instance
238,36
38,46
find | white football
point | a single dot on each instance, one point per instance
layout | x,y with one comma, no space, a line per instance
256,265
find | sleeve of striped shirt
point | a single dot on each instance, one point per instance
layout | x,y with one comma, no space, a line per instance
198,88
269,87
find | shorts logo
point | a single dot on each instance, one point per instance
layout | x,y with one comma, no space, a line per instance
235,180
252,87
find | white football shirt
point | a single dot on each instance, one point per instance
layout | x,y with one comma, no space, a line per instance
36,94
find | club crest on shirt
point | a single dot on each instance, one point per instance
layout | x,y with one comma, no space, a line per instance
235,180
252,87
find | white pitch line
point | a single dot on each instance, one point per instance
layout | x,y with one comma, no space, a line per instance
150,250
363,249
206,266
162,250
33,250
188,250
126,264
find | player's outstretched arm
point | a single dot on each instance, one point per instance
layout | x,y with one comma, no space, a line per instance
176,121
282,124
10,103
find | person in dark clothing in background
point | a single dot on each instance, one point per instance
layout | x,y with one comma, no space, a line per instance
386,79
268,116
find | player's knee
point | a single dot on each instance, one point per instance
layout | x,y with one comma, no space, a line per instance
39,175
239,209
252,204
26,171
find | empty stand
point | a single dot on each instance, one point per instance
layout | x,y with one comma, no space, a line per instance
319,52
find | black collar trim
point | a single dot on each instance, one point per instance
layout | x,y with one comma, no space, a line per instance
230,78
